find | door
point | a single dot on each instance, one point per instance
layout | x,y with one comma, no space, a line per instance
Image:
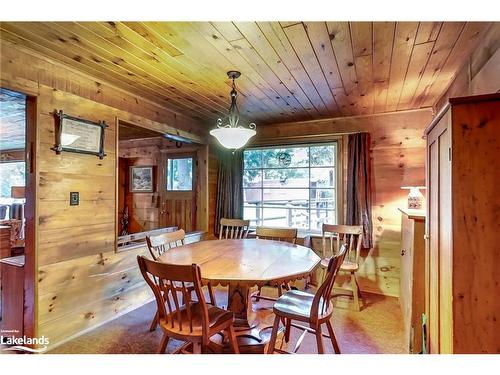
438,254
178,191
405,288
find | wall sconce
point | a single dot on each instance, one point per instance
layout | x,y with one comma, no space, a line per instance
415,197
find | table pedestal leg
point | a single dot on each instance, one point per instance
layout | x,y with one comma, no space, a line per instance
237,302
252,333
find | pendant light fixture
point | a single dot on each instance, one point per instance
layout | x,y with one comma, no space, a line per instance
228,132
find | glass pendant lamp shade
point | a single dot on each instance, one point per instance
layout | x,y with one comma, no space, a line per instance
231,135
233,138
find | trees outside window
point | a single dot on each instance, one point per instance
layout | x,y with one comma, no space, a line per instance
290,186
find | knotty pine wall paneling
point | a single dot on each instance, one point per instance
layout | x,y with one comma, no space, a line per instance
82,281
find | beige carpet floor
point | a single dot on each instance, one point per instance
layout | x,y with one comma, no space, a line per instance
377,328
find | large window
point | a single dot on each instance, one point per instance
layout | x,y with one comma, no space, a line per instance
291,186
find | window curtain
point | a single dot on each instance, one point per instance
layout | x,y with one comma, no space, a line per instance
359,202
229,186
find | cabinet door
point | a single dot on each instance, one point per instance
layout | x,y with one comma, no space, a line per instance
445,249
405,288
438,214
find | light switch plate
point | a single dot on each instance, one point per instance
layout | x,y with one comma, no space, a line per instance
74,198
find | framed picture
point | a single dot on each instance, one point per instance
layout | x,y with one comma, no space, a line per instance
76,135
141,180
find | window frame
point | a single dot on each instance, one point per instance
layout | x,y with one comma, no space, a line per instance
193,160
337,188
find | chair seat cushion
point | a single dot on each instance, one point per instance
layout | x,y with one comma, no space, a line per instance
296,304
216,316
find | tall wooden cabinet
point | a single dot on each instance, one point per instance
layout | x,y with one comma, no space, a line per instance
411,288
463,227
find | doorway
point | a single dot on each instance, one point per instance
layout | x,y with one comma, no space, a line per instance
161,183
17,213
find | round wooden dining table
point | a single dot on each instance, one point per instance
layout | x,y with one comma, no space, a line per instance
242,264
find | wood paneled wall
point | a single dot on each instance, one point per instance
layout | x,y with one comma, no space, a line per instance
398,158
82,281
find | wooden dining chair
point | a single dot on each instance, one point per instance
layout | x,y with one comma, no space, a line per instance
195,321
311,309
275,234
157,245
352,236
233,228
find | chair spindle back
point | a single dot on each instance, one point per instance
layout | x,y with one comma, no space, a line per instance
233,228
167,281
157,245
351,235
277,234
321,299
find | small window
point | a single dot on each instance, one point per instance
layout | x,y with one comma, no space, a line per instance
180,174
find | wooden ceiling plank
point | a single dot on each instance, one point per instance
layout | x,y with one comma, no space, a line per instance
188,40
288,23
108,36
247,52
85,63
320,41
75,46
47,64
137,34
278,40
362,37
340,38
383,40
139,28
300,42
418,61
380,90
467,41
228,30
261,88
190,67
443,45
150,31
12,37
364,71
258,42
403,45
427,32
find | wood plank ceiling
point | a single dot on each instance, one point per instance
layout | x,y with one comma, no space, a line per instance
290,70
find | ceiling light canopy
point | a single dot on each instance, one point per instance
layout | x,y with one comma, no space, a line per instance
228,132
